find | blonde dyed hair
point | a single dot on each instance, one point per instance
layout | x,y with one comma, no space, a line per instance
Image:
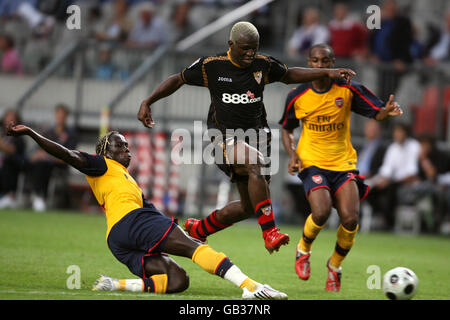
243,28
102,143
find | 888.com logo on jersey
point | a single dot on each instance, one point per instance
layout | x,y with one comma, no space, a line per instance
236,98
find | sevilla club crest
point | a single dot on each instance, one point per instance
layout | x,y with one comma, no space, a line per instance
267,210
317,179
258,76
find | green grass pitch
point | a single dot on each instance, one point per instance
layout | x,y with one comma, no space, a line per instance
36,250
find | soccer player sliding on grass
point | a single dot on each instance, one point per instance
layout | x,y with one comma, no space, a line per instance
325,160
139,235
236,81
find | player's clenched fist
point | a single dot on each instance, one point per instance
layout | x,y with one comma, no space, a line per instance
145,115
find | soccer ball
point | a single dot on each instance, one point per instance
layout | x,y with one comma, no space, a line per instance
400,284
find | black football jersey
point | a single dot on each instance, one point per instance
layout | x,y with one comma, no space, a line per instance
236,93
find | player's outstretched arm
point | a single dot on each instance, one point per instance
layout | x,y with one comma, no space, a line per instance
166,88
391,109
71,157
299,75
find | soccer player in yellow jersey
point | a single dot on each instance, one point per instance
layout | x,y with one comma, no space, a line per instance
139,235
324,157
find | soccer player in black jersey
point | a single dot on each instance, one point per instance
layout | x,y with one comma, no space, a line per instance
236,81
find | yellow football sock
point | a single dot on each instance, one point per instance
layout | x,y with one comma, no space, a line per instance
160,281
219,264
345,240
208,259
310,232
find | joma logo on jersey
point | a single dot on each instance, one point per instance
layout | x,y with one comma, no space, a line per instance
225,79
236,98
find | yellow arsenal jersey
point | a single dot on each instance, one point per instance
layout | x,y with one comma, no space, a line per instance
114,188
325,117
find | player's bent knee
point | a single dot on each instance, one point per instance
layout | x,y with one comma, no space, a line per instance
320,216
178,281
247,169
350,222
240,169
254,169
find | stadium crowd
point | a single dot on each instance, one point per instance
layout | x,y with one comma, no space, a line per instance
423,182
29,24
31,170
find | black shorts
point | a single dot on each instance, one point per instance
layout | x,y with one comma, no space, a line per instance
314,178
222,161
138,236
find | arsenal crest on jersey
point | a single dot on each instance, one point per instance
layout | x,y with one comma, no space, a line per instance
317,179
339,102
258,76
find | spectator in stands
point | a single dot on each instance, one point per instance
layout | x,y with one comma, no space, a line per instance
348,37
433,164
441,50
398,171
370,159
26,10
371,155
391,44
310,33
12,157
8,8
150,30
180,17
10,62
118,26
42,164
105,68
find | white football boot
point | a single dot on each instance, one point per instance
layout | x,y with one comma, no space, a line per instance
104,283
265,292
